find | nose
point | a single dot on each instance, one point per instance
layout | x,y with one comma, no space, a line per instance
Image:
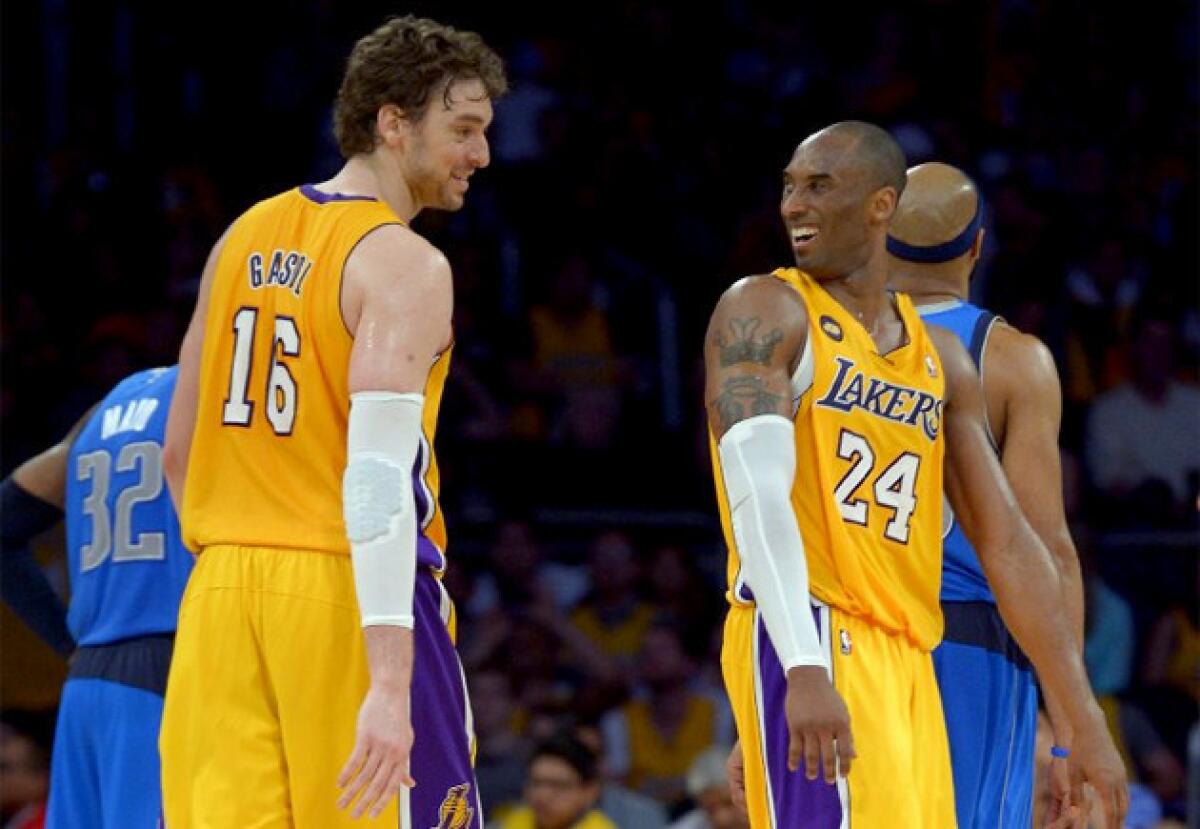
480,154
793,204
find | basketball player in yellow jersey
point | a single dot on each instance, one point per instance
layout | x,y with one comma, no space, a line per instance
830,403
314,676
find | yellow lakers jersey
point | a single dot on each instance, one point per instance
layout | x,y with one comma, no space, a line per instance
269,446
868,487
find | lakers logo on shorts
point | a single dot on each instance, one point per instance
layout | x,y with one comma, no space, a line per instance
455,811
831,327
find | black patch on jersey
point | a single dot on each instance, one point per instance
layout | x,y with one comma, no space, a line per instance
831,328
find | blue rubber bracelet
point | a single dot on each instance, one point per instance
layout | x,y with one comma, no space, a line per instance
1060,752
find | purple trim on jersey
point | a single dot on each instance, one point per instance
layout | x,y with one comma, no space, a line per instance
441,752
313,194
428,554
798,800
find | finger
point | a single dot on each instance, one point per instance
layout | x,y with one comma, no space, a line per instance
1108,802
1076,778
376,790
795,749
812,755
352,764
394,784
369,767
828,757
1122,800
845,750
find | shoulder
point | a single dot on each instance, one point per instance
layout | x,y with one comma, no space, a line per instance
391,256
763,300
761,290
1019,365
957,364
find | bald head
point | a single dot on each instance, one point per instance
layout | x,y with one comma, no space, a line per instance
938,204
873,149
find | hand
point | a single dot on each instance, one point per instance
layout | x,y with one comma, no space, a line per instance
818,724
735,767
1094,760
381,752
1062,813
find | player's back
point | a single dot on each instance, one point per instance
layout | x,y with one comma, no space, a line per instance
128,565
963,578
868,484
269,447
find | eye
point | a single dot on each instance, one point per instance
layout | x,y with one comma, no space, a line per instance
788,187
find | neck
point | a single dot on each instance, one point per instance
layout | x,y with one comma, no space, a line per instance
927,284
376,174
863,291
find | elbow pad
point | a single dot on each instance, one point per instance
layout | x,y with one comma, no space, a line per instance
758,464
378,503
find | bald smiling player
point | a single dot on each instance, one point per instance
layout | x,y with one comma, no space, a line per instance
987,684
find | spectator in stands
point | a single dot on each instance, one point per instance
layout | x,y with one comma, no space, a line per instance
708,787
25,740
653,739
561,790
614,616
1144,436
620,804
501,752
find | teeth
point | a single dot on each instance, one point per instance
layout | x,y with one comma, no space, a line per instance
803,234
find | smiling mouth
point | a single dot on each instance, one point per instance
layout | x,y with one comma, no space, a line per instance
802,236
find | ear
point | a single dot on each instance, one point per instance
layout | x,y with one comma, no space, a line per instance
882,204
392,126
977,246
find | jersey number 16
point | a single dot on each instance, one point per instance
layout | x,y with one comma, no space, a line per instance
281,393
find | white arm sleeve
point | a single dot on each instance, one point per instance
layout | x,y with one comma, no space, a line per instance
758,462
379,505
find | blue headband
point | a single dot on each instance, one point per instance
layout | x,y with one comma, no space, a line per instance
944,252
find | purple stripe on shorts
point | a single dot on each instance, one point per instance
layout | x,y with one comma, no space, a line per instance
446,794
798,800
313,194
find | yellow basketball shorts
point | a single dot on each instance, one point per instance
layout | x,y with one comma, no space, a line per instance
267,677
901,778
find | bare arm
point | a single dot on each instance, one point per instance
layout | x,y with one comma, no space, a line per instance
181,417
397,302
1023,576
754,340
754,343
1021,372
33,498
45,475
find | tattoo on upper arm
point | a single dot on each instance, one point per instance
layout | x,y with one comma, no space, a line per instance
743,346
744,397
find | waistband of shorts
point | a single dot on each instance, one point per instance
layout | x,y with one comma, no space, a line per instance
979,625
142,663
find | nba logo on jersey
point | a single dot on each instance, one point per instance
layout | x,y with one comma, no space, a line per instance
930,366
455,812
844,638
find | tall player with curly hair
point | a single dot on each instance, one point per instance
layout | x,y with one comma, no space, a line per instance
315,679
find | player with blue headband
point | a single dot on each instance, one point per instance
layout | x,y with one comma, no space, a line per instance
988,687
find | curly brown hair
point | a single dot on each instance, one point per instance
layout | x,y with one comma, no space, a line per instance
403,62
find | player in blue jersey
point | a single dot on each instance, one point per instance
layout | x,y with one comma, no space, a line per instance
988,689
128,569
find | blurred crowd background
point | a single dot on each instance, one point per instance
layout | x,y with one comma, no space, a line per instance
636,169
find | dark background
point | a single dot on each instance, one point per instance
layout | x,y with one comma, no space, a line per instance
635,174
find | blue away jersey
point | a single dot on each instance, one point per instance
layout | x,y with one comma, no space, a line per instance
962,576
128,566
